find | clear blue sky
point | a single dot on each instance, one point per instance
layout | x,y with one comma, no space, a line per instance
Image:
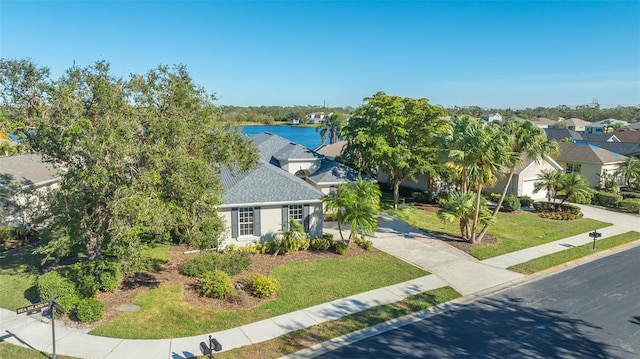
490,54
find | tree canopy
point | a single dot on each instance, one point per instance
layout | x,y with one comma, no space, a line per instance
141,156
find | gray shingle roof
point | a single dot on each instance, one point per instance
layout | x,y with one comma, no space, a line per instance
586,153
560,134
274,148
26,170
265,184
331,171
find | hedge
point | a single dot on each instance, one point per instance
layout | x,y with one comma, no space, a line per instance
606,199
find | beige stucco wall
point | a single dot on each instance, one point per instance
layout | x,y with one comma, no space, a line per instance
271,223
295,166
592,172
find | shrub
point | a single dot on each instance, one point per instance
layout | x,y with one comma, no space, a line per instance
526,201
584,198
69,303
341,248
262,286
627,195
561,215
606,199
631,205
54,281
216,284
89,310
321,243
511,203
366,244
231,263
91,277
328,236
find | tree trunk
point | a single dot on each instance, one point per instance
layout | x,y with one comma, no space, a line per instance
93,247
396,193
476,213
504,193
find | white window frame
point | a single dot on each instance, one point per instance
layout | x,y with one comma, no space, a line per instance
245,222
296,212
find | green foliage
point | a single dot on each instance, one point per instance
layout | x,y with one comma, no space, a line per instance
91,277
626,195
261,286
511,203
526,201
631,205
232,263
54,281
69,303
585,197
290,240
561,215
216,284
89,310
341,248
321,243
606,199
461,208
364,243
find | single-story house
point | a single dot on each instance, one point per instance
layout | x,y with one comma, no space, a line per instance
591,161
525,176
491,117
605,126
25,180
543,122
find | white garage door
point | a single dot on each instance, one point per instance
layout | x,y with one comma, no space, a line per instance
527,189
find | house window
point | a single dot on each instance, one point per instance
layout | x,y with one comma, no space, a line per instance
332,189
295,212
245,221
573,167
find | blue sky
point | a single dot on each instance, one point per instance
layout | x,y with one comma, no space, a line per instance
491,54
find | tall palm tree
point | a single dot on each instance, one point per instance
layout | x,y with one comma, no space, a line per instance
548,180
574,185
332,126
629,170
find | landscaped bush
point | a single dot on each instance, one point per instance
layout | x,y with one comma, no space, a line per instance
526,201
511,203
626,195
231,263
366,244
54,281
262,286
584,198
606,199
631,205
216,284
321,243
89,310
557,211
420,196
69,303
561,215
95,276
341,248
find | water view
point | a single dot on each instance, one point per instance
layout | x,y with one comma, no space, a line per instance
306,136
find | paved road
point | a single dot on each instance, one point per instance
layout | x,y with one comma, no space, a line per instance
590,311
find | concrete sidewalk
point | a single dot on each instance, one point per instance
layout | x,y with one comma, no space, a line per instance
447,265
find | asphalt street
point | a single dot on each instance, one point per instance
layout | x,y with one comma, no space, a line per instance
590,311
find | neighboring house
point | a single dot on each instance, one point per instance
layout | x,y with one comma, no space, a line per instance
525,176
590,161
318,117
259,202
626,135
25,180
623,148
542,122
634,126
562,134
605,126
492,117
332,151
576,124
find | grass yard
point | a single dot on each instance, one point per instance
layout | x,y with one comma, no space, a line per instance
18,273
13,351
513,231
303,284
567,255
304,338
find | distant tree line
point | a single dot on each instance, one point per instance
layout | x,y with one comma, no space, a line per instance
584,112
272,114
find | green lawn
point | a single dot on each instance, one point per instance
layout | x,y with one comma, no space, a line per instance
303,284
13,351
18,273
514,231
567,255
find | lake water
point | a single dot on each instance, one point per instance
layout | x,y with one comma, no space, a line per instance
306,136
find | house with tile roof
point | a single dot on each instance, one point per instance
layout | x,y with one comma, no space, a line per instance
591,161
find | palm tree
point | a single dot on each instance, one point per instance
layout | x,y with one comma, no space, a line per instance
357,203
461,206
629,170
550,181
574,185
332,126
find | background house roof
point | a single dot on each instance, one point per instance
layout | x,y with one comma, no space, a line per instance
265,184
559,134
527,161
26,170
274,148
332,150
623,148
576,122
331,171
587,153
